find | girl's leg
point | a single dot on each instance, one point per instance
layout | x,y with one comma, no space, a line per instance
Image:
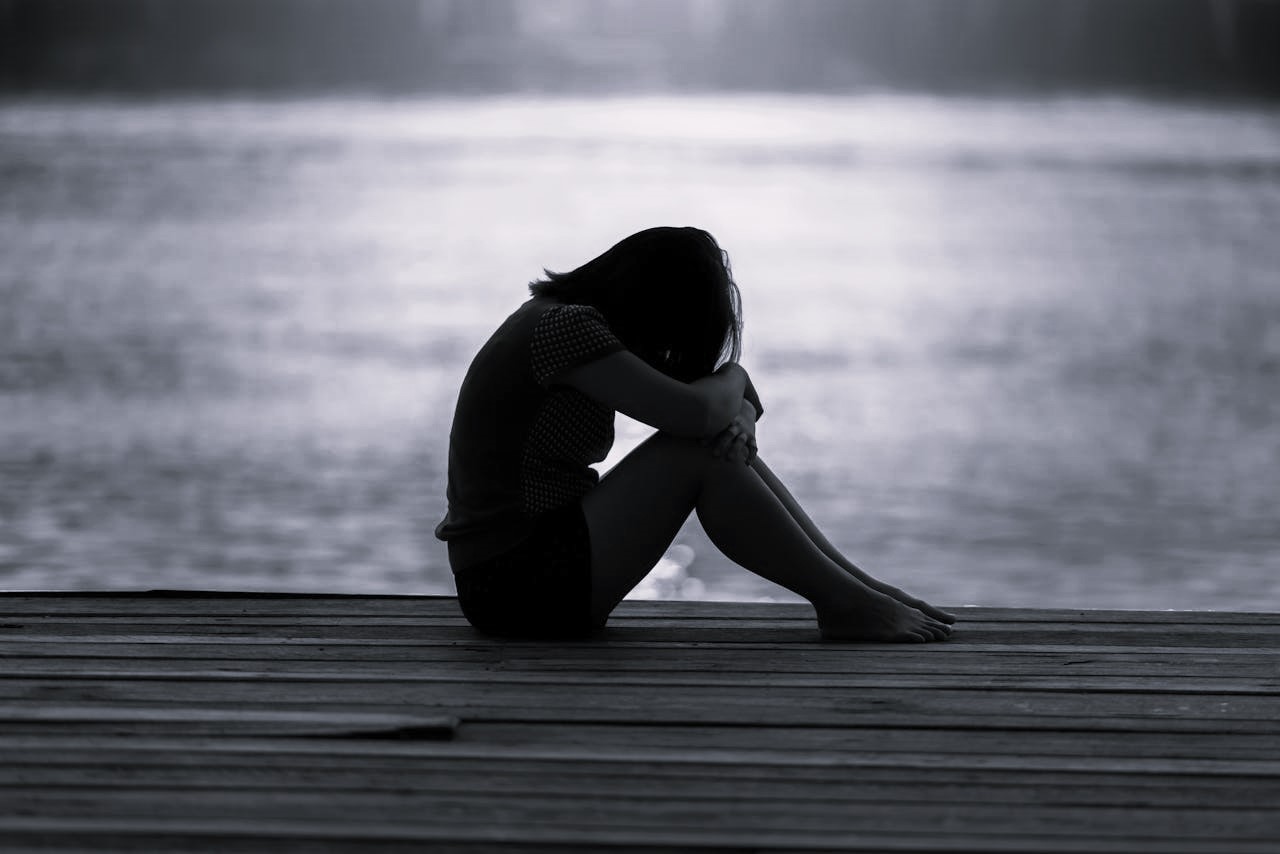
636,511
827,548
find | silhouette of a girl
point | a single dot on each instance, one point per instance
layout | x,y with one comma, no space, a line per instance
540,546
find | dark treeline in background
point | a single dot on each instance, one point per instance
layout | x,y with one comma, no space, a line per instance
1180,46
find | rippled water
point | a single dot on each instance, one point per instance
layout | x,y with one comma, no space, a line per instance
1013,353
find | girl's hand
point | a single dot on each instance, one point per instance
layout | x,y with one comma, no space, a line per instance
737,442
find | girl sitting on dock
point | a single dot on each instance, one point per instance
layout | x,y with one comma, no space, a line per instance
540,546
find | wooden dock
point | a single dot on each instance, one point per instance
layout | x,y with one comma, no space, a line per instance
210,722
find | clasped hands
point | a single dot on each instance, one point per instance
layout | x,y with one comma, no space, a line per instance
737,442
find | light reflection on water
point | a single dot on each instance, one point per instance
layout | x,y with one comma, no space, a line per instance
1013,352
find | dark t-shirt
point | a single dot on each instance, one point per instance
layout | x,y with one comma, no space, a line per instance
522,445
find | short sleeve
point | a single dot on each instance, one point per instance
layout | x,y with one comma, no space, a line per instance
568,336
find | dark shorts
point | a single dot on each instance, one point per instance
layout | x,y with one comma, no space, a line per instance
539,589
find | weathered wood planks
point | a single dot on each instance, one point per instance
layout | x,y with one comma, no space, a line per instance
184,721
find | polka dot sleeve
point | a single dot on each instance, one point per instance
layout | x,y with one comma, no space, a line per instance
568,336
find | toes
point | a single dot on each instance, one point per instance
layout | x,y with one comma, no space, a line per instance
940,615
936,631
929,611
932,612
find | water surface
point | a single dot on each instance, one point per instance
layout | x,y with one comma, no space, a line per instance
1013,352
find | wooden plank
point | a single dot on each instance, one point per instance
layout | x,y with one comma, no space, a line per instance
240,721
1187,685
876,740
302,605
676,780
1206,643
282,835
1011,769
763,703
478,657
431,643
25,766
453,619
679,610
38,786
102,601
1255,678
575,740
602,814
727,631
690,713
630,810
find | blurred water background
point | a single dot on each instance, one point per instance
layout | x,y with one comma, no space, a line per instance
1014,351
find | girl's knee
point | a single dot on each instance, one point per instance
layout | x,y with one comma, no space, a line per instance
699,457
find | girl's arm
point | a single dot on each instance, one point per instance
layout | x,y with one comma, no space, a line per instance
753,398
624,382
738,440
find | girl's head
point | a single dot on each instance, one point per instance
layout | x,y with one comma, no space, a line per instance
667,293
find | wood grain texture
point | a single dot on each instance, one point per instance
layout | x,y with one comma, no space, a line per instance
206,721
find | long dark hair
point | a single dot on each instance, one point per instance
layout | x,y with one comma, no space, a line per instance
667,293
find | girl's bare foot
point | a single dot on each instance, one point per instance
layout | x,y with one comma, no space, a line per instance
919,604
880,618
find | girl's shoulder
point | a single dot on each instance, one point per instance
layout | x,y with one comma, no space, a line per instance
567,335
